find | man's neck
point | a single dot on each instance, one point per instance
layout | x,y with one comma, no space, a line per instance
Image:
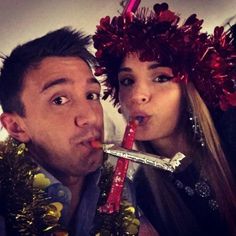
75,184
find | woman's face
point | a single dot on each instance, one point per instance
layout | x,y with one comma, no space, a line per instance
147,91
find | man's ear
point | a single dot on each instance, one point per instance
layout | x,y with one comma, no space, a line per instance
14,125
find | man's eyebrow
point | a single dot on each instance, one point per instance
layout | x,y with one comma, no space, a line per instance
52,83
93,80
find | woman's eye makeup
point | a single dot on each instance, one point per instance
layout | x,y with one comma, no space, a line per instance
162,78
126,81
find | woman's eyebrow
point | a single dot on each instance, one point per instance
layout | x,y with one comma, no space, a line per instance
153,66
150,67
125,69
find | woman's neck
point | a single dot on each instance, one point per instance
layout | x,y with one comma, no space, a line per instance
169,146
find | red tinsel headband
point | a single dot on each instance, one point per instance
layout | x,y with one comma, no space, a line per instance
209,61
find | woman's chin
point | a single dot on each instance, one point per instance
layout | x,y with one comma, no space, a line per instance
142,138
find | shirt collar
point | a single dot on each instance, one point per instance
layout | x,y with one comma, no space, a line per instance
58,193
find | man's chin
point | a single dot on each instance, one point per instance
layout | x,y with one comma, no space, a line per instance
92,162
88,170
96,163
94,168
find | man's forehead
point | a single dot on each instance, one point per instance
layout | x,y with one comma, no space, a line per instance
60,68
60,81
53,62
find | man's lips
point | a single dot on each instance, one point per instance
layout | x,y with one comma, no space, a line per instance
86,141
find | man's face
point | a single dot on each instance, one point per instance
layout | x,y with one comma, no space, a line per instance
63,114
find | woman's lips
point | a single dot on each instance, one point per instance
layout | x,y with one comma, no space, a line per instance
141,118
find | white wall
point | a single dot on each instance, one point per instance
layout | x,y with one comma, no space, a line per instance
23,20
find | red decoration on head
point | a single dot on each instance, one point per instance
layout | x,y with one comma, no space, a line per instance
131,6
209,61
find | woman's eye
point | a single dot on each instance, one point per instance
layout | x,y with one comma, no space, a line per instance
162,78
126,81
60,100
93,96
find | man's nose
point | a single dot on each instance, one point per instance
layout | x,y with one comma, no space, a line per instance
85,115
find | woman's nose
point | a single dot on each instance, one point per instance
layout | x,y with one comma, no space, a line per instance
141,94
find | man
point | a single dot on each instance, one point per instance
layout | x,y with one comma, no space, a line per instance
50,180
51,102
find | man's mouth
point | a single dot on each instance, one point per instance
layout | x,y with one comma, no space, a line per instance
86,141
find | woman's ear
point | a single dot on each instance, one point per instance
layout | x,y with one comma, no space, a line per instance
14,126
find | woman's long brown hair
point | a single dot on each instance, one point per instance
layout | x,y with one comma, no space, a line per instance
211,163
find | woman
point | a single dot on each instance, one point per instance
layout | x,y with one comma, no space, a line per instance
172,78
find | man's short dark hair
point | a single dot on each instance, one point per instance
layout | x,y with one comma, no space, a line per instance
63,42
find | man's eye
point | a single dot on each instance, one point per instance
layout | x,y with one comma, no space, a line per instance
162,78
60,100
93,96
126,81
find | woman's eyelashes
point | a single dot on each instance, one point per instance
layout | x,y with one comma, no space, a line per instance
162,78
126,81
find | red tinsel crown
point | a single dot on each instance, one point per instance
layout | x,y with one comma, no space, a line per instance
209,61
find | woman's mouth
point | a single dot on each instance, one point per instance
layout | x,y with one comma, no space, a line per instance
141,119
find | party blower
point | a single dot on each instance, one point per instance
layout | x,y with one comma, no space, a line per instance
168,164
125,154
114,197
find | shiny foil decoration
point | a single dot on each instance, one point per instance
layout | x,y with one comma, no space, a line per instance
26,208
208,60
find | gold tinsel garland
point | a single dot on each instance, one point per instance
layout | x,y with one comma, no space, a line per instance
27,209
